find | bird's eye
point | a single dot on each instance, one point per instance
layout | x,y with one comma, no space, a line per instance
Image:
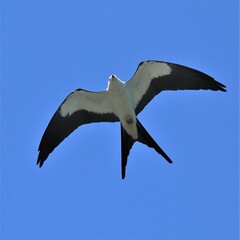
111,77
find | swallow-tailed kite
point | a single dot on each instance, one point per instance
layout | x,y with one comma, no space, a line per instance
122,101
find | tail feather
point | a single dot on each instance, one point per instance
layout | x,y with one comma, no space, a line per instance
127,142
144,137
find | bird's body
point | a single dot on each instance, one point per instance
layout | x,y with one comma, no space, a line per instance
122,105
122,101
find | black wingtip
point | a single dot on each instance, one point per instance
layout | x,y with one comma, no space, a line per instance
39,161
222,88
41,158
219,86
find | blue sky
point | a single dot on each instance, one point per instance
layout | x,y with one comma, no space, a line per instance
50,48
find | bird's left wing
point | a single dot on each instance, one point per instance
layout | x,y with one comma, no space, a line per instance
152,77
80,107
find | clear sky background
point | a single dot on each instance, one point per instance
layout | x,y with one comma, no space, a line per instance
49,48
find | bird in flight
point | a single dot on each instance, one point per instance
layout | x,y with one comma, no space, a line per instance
122,102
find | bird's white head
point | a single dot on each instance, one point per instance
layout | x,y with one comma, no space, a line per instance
112,78
114,83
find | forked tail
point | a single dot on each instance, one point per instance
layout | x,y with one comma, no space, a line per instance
144,137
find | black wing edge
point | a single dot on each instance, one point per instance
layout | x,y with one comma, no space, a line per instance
181,78
207,82
60,127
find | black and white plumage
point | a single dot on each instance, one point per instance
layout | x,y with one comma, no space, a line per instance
122,101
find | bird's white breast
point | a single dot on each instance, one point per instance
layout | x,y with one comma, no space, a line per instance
122,105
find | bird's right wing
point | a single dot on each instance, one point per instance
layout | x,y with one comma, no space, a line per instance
80,107
152,77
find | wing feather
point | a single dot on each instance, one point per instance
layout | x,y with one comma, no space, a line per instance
152,77
80,107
